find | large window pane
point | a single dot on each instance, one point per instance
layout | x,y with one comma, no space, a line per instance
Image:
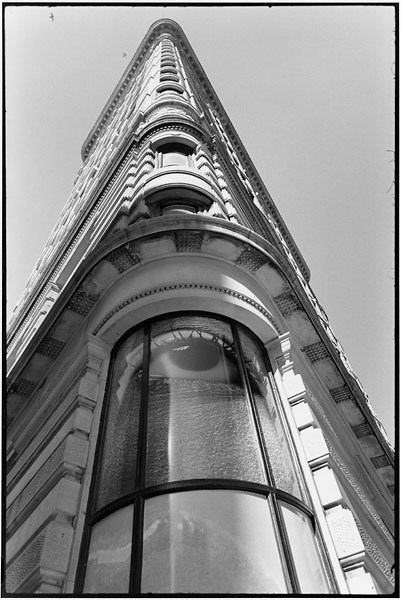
275,439
109,556
308,564
118,460
210,542
199,421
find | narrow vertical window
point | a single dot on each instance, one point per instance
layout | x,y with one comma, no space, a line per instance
307,561
275,439
109,559
118,459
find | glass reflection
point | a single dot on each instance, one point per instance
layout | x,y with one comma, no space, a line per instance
118,463
109,559
199,420
199,426
308,564
275,439
210,542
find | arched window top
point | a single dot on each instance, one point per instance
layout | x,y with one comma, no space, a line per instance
195,470
213,373
193,354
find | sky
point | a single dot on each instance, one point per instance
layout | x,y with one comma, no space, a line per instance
309,90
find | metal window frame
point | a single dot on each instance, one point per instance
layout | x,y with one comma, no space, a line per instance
137,498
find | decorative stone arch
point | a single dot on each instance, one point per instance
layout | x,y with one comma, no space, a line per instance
166,136
122,309
217,241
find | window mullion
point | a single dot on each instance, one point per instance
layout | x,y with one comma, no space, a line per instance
137,547
140,477
143,413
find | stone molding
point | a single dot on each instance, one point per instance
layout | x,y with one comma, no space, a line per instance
44,473
194,286
48,554
350,478
36,440
343,526
98,364
200,223
301,421
340,467
45,501
224,127
177,124
376,554
63,405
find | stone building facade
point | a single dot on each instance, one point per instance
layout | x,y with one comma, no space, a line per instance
181,416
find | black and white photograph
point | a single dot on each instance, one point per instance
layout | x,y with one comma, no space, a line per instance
199,274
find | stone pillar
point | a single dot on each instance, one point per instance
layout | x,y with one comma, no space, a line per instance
45,505
90,394
340,533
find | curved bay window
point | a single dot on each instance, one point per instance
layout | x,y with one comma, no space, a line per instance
196,489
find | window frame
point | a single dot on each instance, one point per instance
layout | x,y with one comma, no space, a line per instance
273,495
186,150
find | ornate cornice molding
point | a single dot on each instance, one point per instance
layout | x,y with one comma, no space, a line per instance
190,286
352,481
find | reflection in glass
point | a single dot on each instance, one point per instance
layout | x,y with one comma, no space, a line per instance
210,542
199,420
308,564
272,429
118,461
196,423
109,559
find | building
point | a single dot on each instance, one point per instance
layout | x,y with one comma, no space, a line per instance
181,417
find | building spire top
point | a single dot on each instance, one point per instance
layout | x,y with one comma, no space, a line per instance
156,31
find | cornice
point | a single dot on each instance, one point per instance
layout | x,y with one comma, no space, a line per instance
190,286
149,228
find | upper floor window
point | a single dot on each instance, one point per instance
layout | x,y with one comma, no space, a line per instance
175,154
